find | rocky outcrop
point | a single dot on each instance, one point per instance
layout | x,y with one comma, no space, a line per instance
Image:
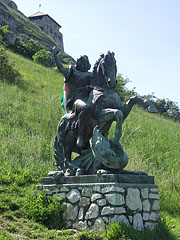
13,5
20,26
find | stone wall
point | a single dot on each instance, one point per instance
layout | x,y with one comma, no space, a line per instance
13,5
94,205
50,27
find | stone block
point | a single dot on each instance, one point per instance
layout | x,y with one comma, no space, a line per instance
65,189
99,224
81,213
146,205
155,205
97,188
145,216
154,190
121,219
115,199
133,200
84,201
138,222
112,189
95,196
154,216
101,202
119,210
80,225
71,212
154,196
73,196
107,210
87,192
93,212
144,193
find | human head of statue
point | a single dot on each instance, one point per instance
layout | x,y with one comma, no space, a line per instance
83,64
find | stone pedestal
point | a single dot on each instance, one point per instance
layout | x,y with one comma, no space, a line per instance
94,201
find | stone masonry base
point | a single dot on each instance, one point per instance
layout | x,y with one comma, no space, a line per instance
94,205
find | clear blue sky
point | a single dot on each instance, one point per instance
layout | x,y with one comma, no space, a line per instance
144,34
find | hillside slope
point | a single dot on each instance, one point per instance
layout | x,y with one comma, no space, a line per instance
29,115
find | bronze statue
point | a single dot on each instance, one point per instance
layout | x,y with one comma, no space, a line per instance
79,80
96,105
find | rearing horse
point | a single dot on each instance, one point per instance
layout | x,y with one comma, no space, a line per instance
106,107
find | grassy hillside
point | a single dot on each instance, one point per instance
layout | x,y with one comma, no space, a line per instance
29,114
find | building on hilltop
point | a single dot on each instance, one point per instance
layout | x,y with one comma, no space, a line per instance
49,26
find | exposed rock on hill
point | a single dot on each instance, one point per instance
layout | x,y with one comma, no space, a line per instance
20,27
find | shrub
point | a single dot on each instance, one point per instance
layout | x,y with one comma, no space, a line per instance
7,71
122,90
42,57
45,210
116,232
26,49
3,33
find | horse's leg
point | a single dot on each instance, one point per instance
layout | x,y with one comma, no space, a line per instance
84,111
137,100
69,143
109,114
58,154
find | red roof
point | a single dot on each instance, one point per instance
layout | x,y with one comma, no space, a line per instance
38,14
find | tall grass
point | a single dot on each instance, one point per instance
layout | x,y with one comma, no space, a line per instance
29,117
152,144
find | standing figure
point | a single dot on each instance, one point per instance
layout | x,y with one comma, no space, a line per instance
78,79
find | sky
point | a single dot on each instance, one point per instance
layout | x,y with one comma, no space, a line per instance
143,34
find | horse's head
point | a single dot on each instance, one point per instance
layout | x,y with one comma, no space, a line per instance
106,70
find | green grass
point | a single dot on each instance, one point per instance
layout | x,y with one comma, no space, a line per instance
29,115
152,144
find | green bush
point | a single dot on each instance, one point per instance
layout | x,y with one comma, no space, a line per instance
7,71
3,33
42,57
45,210
26,49
122,90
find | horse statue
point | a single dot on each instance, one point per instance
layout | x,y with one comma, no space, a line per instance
99,153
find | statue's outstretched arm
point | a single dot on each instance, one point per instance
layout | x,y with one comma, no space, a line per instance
58,61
